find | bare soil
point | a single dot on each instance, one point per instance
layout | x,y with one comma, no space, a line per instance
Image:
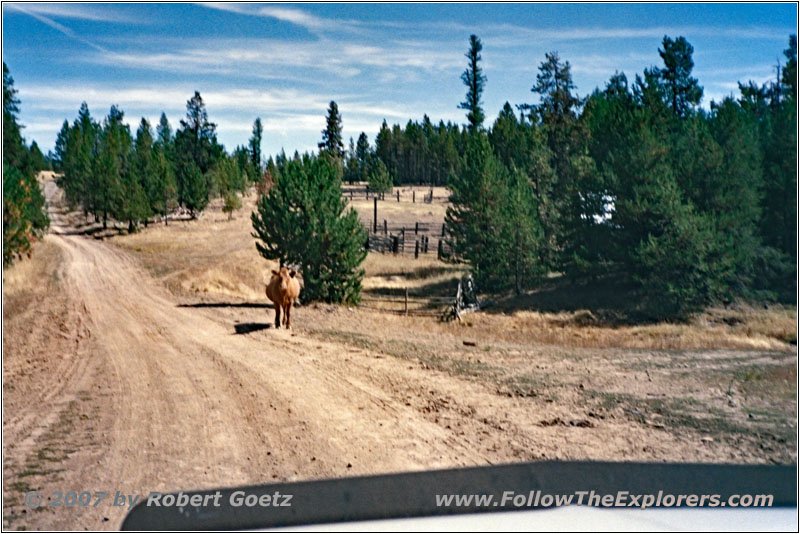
147,363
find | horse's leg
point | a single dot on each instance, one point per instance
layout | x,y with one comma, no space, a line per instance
288,313
277,315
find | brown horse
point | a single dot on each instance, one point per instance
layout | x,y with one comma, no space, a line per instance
282,290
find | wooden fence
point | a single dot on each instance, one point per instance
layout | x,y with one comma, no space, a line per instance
399,240
398,195
446,308
407,304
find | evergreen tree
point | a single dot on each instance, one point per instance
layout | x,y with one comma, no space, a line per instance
331,143
14,152
521,146
378,177
779,212
60,150
363,156
304,220
81,183
682,92
115,191
192,185
36,159
164,133
197,151
567,137
659,238
231,203
24,215
164,192
144,173
492,222
475,81
255,150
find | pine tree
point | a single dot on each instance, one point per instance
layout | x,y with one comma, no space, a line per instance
143,171
659,237
116,191
229,179
60,150
378,177
475,81
682,92
779,213
192,184
24,215
164,194
567,138
196,151
255,150
304,220
363,156
81,174
492,222
13,146
331,142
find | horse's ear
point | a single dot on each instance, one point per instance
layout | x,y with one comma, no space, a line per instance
292,273
274,272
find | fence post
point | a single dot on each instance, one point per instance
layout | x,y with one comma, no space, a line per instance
439,252
442,230
416,228
406,302
416,249
375,216
385,228
398,195
413,196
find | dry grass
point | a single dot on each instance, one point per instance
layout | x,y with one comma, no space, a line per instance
406,213
208,256
214,258
387,272
580,329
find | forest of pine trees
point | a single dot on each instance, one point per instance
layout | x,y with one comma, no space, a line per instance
108,172
24,215
634,182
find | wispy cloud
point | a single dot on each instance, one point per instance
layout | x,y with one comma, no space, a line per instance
274,59
67,98
90,12
298,17
56,26
510,35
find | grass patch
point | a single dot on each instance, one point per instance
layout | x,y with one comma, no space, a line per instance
21,486
690,413
408,350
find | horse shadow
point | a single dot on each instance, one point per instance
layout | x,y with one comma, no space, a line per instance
247,328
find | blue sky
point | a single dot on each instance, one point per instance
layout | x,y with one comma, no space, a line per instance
285,62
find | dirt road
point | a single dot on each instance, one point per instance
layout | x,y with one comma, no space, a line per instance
139,394
184,402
